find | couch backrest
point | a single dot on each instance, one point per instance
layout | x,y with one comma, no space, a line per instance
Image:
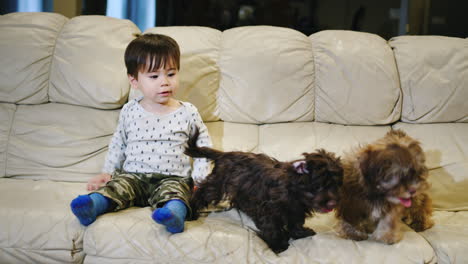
356,79
434,78
49,58
256,74
263,74
27,43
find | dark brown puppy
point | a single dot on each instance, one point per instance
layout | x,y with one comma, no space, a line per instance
384,183
278,196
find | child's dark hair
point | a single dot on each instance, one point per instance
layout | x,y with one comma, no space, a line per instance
149,52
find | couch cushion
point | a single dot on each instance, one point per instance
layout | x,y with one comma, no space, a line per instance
446,147
433,72
136,236
267,76
356,80
229,237
7,113
228,136
37,225
88,66
449,237
28,42
288,141
59,142
327,247
199,71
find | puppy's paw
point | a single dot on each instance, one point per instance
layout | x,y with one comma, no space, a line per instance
195,215
347,231
280,247
301,233
354,236
389,238
420,226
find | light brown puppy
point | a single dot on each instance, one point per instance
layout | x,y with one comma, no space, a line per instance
384,183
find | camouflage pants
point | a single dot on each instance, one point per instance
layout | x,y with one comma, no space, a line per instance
147,189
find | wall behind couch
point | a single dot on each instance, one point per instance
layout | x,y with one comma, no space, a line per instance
424,17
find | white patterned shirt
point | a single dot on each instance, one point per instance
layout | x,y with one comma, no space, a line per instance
145,142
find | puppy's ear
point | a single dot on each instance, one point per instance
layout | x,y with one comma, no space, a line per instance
300,167
322,161
369,165
417,152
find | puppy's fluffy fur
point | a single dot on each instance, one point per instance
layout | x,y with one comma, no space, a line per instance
384,183
278,196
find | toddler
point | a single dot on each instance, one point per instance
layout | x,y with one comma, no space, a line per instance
145,164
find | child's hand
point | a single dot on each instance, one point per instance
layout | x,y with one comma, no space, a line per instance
98,181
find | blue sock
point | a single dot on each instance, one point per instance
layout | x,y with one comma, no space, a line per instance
88,207
172,215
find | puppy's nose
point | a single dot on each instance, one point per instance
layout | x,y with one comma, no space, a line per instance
412,191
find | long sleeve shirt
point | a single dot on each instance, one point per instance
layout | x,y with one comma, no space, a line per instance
145,142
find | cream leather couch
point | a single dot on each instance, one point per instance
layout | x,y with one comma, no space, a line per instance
262,89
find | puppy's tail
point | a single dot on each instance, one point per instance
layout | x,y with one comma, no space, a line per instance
194,151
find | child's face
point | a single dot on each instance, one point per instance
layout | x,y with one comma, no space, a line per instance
158,86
